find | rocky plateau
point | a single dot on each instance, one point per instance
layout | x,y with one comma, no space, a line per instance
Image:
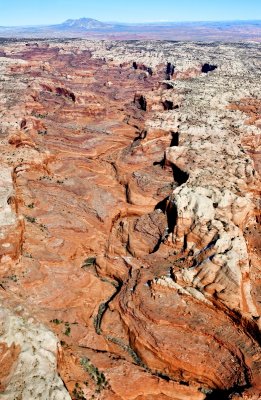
130,220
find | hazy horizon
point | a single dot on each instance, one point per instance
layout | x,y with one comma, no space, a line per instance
136,23
51,12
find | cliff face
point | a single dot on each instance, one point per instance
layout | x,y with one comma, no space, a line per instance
129,221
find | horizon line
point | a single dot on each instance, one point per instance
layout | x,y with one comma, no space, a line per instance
134,23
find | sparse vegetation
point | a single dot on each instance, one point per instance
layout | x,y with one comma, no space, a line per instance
43,227
42,132
67,328
114,284
45,177
27,255
38,115
78,392
67,331
13,278
56,321
98,318
97,376
127,348
89,262
30,219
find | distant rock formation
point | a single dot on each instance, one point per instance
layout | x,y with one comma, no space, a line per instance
84,24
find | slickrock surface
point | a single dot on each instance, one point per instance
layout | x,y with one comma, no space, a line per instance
130,220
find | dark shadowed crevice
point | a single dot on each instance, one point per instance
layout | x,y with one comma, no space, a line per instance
175,139
161,163
167,86
208,68
163,376
218,394
170,210
65,93
72,96
250,325
172,216
169,105
23,123
185,243
179,176
142,135
142,68
149,70
162,205
169,70
141,102
156,248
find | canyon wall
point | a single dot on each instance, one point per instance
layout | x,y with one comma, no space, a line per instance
130,220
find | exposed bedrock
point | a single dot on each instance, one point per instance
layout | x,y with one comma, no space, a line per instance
28,353
129,221
11,227
177,333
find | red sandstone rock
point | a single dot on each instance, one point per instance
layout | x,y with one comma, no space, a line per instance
8,359
129,222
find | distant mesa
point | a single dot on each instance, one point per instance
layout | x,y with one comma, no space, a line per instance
83,24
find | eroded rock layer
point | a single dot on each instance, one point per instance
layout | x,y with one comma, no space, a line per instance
129,221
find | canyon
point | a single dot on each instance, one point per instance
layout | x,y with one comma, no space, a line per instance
130,220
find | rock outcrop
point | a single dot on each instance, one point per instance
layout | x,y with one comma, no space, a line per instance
129,221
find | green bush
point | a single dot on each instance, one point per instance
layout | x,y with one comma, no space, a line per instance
97,376
89,262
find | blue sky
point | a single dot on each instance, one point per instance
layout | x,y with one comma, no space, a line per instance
33,12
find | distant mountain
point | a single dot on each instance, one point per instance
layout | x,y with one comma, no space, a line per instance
90,28
83,24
